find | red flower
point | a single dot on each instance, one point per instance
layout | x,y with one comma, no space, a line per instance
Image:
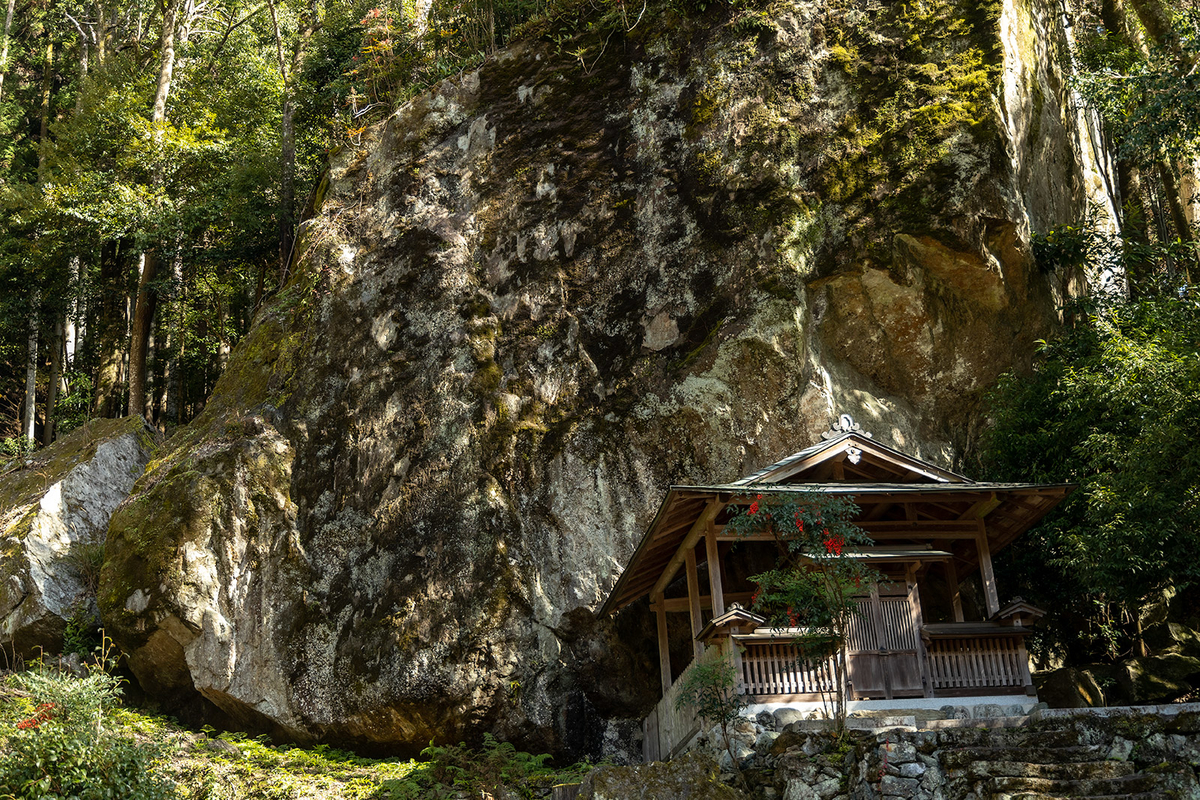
834,544
754,507
43,713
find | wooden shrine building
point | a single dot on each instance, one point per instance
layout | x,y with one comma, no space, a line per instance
933,628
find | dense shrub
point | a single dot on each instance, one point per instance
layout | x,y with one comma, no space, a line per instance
56,740
1112,405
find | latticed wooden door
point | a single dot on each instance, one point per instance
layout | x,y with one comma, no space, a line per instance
884,646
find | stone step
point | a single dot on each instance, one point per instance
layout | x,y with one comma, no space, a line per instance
1071,770
1040,787
963,757
1052,738
1156,795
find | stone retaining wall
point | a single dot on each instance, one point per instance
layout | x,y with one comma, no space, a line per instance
1130,752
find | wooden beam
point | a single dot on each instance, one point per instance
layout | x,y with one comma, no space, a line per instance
985,570
693,584
714,570
702,523
982,508
664,650
955,591
682,605
931,524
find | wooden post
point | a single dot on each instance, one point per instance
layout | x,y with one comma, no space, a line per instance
955,592
1023,657
914,609
735,655
985,570
693,584
664,650
714,571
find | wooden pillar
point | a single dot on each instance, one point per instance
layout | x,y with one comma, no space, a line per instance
714,571
1023,657
955,592
914,610
664,650
985,570
735,655
693,584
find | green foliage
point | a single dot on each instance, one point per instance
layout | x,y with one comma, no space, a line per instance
56,740
82,635
709,686
451,769
1150,104
1113,405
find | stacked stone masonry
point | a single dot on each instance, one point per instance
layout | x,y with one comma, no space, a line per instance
1125,753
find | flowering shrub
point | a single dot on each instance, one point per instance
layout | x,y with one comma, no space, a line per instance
60,745
813,586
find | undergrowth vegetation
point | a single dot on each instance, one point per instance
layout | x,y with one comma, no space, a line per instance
68,735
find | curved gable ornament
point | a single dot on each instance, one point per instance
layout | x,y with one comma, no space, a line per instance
845,424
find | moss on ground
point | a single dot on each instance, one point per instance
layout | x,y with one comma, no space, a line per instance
206,764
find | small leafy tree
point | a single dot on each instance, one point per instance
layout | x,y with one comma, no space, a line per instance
710,688
816,579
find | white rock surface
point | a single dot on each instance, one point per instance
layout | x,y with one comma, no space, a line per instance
54,508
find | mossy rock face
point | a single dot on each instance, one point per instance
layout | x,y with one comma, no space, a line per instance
55,507
535,297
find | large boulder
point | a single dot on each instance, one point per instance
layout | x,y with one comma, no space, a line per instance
54,511
537,295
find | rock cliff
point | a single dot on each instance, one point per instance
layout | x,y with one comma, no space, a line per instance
606,261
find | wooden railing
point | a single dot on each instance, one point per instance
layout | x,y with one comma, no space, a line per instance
977,662
667,729
776,667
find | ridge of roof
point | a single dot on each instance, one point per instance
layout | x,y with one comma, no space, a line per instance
832,443
869,486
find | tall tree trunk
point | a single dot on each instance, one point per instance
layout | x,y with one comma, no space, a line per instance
1178,215
287,135
1156,19
4,46
73,323
173,377
139,343
143,315
1134,223
110,329
31,368
56,349
29,418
